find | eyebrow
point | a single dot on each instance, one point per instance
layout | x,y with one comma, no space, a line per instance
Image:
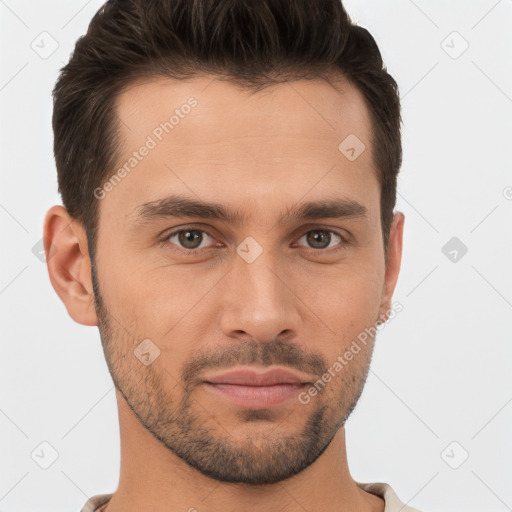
181,206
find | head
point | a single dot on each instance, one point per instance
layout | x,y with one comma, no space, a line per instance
228,173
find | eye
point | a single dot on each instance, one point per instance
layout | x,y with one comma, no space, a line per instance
192,240
188,239
322,238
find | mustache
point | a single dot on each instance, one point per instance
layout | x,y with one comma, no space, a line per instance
252,352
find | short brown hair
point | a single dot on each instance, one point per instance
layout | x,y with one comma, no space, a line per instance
254,43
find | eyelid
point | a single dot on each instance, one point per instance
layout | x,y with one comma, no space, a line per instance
343,233
332,231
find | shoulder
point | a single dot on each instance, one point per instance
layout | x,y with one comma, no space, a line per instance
384,490
94,503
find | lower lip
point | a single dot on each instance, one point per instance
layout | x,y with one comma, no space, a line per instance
257,397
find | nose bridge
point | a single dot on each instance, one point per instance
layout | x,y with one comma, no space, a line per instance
256,300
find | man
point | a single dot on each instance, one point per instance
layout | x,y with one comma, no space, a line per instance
228,172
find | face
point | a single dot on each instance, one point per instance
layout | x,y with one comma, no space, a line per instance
241,238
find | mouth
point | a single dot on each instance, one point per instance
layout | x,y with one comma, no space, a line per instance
249,389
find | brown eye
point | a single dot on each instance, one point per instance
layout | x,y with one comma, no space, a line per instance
188,238
321,238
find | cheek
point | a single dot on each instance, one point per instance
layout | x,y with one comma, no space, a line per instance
165,304
348,303
357,306
348,298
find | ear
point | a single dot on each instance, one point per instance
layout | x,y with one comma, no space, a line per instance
69,266
393,265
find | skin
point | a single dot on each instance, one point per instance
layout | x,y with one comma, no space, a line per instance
299,305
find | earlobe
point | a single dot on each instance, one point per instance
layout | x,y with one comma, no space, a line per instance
68,263
393,265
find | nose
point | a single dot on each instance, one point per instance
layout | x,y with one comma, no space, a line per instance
258,301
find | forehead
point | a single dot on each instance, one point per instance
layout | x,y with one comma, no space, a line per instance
311,108
215,139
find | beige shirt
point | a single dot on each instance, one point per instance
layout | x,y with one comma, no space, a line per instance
392,503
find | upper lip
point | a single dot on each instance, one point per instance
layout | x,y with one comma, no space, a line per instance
249,377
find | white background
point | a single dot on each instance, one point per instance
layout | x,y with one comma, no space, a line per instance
441,369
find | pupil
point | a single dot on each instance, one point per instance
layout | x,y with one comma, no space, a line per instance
190,237
317,239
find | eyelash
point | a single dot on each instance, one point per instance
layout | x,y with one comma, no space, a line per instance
165,241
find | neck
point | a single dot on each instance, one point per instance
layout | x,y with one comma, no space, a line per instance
152,478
